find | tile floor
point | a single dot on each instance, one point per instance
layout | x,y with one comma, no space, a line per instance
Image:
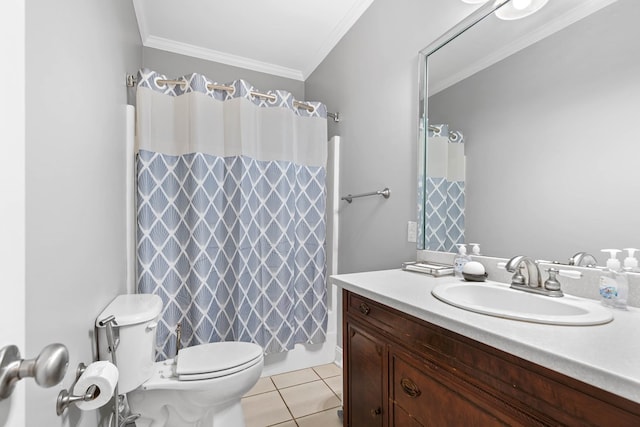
305,398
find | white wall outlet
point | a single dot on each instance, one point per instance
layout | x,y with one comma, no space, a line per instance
412,231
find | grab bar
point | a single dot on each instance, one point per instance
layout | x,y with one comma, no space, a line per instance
384,193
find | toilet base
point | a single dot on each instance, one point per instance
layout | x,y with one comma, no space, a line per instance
167,402
222,416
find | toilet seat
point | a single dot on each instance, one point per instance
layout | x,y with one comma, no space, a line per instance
216,360
202,365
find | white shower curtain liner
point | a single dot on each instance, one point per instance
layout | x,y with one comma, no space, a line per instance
231,213
177,125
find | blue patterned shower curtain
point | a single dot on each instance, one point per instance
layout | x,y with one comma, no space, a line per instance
231,213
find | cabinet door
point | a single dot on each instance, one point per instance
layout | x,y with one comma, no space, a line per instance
366,380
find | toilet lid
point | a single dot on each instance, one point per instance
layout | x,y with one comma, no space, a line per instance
216,359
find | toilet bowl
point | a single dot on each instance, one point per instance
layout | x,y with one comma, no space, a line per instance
201,387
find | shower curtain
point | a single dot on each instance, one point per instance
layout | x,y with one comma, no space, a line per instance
231,212
444,189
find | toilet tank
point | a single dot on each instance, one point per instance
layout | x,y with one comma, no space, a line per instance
136,318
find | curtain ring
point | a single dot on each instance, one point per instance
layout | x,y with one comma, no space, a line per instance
157,83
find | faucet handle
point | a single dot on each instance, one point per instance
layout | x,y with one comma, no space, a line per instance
551,284
517,278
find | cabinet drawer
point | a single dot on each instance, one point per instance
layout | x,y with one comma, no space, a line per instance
433,397
401,326
363,307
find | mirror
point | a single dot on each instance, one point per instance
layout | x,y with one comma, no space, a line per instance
549,107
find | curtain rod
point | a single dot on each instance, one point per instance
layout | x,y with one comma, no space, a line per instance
131,81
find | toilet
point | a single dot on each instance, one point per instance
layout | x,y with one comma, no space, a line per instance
201,387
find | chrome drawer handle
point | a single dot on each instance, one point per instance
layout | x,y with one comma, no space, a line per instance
364,308
410,388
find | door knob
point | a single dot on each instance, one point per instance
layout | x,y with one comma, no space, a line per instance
48,369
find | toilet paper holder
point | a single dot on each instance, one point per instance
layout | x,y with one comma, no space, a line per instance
65,398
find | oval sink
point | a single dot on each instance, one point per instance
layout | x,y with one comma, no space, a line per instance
497,299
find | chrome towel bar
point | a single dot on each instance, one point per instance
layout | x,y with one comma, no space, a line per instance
384,193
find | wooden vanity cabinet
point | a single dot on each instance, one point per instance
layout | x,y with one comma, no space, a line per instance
404,372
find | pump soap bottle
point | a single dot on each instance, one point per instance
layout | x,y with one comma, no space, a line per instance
614,286
475,248
460,260
630,262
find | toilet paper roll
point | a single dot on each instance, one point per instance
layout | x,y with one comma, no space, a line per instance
104,375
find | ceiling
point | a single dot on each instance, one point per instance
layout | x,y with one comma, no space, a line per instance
287,38
290,38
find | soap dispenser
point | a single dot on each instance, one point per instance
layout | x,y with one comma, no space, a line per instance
475,248
614,286
460,259
630,262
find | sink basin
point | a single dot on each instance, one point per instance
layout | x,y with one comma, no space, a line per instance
497,299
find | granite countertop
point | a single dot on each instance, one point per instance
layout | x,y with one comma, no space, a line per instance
606,356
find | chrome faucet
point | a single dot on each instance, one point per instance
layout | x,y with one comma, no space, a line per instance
532,282
583,259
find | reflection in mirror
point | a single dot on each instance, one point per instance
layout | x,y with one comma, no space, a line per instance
444,189
552,141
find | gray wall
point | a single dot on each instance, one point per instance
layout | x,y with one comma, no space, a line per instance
371,78
552,141
77,55
174,65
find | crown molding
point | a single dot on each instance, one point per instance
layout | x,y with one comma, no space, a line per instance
143,28
345,24
221,57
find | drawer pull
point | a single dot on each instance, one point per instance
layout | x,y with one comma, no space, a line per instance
364,308
410,388
376,412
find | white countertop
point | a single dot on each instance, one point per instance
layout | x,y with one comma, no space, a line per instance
606,356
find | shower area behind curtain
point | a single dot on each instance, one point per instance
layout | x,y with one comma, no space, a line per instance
444,189
231,212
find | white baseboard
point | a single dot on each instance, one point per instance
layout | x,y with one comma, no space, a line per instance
338,357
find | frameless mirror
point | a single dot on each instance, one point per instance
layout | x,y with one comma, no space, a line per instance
547,107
